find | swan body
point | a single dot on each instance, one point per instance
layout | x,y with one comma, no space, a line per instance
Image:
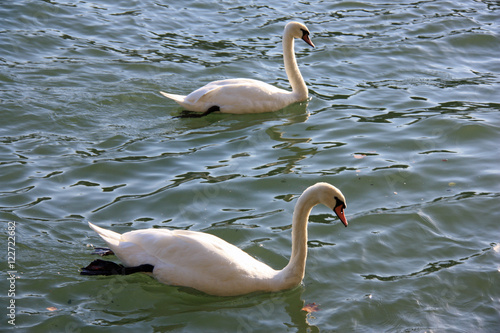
248,95
214,266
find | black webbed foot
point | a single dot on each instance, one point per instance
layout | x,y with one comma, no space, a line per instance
192,114
104,267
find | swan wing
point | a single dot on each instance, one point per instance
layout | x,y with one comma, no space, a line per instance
182,248
188,258
245,96
235,96
192,101
195,96
210,264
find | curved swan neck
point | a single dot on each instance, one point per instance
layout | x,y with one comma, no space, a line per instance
294,271
292,70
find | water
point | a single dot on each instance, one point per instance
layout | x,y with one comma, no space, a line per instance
403,117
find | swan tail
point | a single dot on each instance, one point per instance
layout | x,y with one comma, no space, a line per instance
111,237
176,98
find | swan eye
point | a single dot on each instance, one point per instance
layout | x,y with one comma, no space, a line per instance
339,202
305,37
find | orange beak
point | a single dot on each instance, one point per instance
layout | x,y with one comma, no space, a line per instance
339,210
307,40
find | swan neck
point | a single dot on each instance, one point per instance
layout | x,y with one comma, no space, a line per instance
294,271
299,88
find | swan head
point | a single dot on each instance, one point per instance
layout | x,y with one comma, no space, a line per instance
298,30
331,197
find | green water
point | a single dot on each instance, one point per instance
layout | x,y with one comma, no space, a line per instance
403,118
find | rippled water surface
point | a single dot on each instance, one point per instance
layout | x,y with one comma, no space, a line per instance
403,118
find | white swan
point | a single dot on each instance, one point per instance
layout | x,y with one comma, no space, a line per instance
247,95
208,263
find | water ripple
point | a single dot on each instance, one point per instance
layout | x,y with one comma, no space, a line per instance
403,117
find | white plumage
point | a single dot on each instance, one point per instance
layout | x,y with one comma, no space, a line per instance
248,95
212,265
